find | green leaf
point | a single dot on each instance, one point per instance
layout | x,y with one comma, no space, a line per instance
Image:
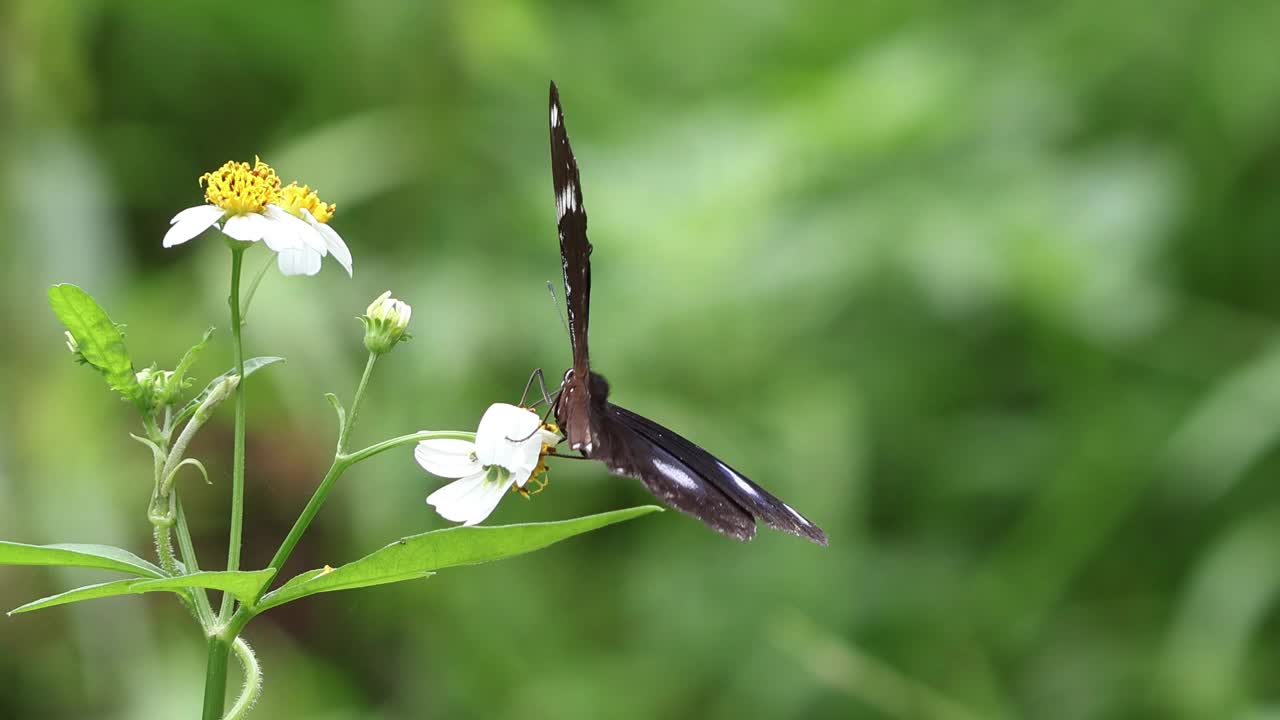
244,584
76,555
251,366
178,381
88,592
418,555
100,341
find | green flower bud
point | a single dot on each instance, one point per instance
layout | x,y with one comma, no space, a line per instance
155,384
384,323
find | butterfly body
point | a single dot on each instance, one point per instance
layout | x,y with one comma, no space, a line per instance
674,469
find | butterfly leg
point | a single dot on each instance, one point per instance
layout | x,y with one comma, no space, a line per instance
542,387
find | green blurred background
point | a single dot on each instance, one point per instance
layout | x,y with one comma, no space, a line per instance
988,290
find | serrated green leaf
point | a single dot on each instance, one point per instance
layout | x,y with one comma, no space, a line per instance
244,584
251,366
417,556
77,555
100,341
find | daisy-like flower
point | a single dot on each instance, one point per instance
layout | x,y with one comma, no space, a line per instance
509,446
244,203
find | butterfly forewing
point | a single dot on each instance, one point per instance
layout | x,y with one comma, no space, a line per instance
574,403
575,249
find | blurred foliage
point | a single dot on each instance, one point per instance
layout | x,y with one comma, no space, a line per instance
987,289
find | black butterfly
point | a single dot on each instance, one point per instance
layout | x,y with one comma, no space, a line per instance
681,474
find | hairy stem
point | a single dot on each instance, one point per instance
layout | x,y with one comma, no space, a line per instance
252,680
164,549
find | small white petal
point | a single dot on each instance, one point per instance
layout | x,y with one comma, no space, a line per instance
283,231
304,261
301,227
471,499
190,223
250,227
506,437
447,458
333,241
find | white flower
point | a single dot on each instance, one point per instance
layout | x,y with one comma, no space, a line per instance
247,201
509,444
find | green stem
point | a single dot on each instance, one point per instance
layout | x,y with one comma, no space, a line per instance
215,678
344,433
164,549
252,680
411,438
215,681
237,458
339,466
253,284
204,612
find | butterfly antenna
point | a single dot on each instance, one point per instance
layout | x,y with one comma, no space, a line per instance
556,304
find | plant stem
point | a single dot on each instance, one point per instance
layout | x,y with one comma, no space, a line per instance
215,678
237,458
411,438
252,680
339,466
344,433
253,284
164,549
204,612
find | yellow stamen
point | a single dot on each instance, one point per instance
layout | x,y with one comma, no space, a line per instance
238,188
294,199
540,477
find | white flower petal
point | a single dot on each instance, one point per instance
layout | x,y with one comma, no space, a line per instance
447,458
303,261
471,499
250,227
307,235
506,437
283,231
190,223
332,240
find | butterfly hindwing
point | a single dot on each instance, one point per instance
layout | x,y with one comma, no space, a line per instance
751,497
629,453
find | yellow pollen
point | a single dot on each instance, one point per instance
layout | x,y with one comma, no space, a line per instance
238,188
294,198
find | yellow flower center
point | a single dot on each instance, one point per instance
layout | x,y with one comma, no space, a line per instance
238,188
541,474
294,199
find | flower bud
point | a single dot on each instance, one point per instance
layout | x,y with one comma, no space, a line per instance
155,390
216,395
384,323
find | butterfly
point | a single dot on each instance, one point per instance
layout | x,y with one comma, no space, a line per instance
674,469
